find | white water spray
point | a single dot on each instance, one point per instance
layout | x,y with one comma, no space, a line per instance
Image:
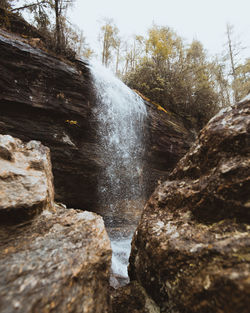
121,116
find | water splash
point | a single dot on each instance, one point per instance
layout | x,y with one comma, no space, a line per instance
121,117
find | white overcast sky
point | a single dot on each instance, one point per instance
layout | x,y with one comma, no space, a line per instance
204,20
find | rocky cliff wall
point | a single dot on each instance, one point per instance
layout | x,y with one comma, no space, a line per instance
46,98
168,139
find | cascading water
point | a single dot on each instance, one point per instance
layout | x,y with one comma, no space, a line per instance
121,117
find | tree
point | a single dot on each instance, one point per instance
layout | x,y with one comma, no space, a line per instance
6,4
58,24
232,59
204,99
109,39
42,11
234,47
60,8
133,52
176,77
83,49
31,5
243,79
75,40
163,46
157,69
221,83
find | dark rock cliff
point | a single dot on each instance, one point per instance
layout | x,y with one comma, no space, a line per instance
44,98
168,139
49,99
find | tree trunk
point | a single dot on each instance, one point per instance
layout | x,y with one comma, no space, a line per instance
117,59
27,6
232,61
58,30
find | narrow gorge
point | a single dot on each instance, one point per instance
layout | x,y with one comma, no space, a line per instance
86,164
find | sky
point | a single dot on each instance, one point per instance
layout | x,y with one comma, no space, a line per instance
204,20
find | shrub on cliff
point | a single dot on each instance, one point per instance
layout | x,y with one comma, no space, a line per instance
177,77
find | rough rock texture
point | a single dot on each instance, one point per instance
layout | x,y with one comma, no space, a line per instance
169,138
191,249
59,262
46,99
132,298
51,100
26,181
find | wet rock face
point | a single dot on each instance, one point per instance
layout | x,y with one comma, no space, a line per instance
59,262
217,168
168,139
51,100
46,99
26,180
191,249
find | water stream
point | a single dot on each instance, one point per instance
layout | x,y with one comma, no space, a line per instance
121,117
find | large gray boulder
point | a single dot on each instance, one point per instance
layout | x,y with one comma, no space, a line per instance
59,262
191,249
52,259
26,180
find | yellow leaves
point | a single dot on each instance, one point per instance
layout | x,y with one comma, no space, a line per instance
160,42
141,95
71,122
159,107
60,95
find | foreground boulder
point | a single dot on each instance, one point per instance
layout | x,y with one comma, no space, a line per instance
52,259
132,298
57,263
191,249
26,180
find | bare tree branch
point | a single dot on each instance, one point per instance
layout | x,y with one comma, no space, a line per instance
28,6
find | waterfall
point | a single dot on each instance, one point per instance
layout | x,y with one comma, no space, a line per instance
121,117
